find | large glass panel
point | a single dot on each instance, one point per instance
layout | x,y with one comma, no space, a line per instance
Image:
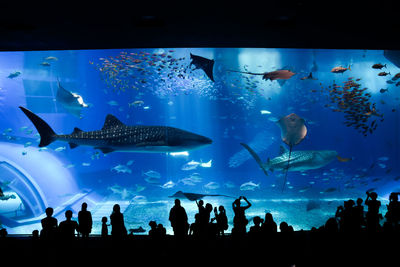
240,98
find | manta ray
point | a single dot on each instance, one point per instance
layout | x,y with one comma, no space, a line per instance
293,131
195,196
207,65
72,102
116,136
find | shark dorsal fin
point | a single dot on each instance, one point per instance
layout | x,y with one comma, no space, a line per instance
282,150
111,121
76,130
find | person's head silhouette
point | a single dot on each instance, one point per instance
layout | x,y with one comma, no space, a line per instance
152,224
84,206
68,214
177,202
116,208
268,217
237,202
104,219
393,197
221,208
49,211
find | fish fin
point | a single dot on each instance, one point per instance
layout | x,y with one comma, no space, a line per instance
47,135
72,145
76,130
111,121
255,156
105,150
281,82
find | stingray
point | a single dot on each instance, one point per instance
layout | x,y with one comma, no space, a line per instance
72,102
273,75
194,196
203,63
293,131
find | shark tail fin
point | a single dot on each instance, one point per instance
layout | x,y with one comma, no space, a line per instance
47,135
255,156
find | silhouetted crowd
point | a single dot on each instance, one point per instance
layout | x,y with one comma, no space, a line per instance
351,218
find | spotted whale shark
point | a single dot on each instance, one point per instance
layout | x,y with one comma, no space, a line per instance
300,160
116,136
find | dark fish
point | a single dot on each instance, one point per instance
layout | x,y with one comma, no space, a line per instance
330,190
378,66
383,73
312,205
383,90
137,230
195,196
207,65
339,69
395,77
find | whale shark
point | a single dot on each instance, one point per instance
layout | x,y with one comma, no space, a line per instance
300,160
116,136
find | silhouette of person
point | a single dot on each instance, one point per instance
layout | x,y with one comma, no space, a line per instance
202,219
194,227
284,227
118,230
239,219
161,230
255,230
3,232
68,227
49,225
359,213
153,232
348,218
222,220
372,216
35,234
179,220
104,227
393,209
331,227
208,228
269,226
85,221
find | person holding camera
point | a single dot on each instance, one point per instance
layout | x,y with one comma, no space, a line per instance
239,219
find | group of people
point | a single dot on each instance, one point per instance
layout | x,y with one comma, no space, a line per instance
204,225
349,218
66,229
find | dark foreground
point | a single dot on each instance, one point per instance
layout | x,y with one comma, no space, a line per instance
303,248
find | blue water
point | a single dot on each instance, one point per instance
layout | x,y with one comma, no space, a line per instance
236,108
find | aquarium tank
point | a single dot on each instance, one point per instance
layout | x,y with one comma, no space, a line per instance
296,131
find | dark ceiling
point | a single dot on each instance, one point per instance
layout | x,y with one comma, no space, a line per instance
298,24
